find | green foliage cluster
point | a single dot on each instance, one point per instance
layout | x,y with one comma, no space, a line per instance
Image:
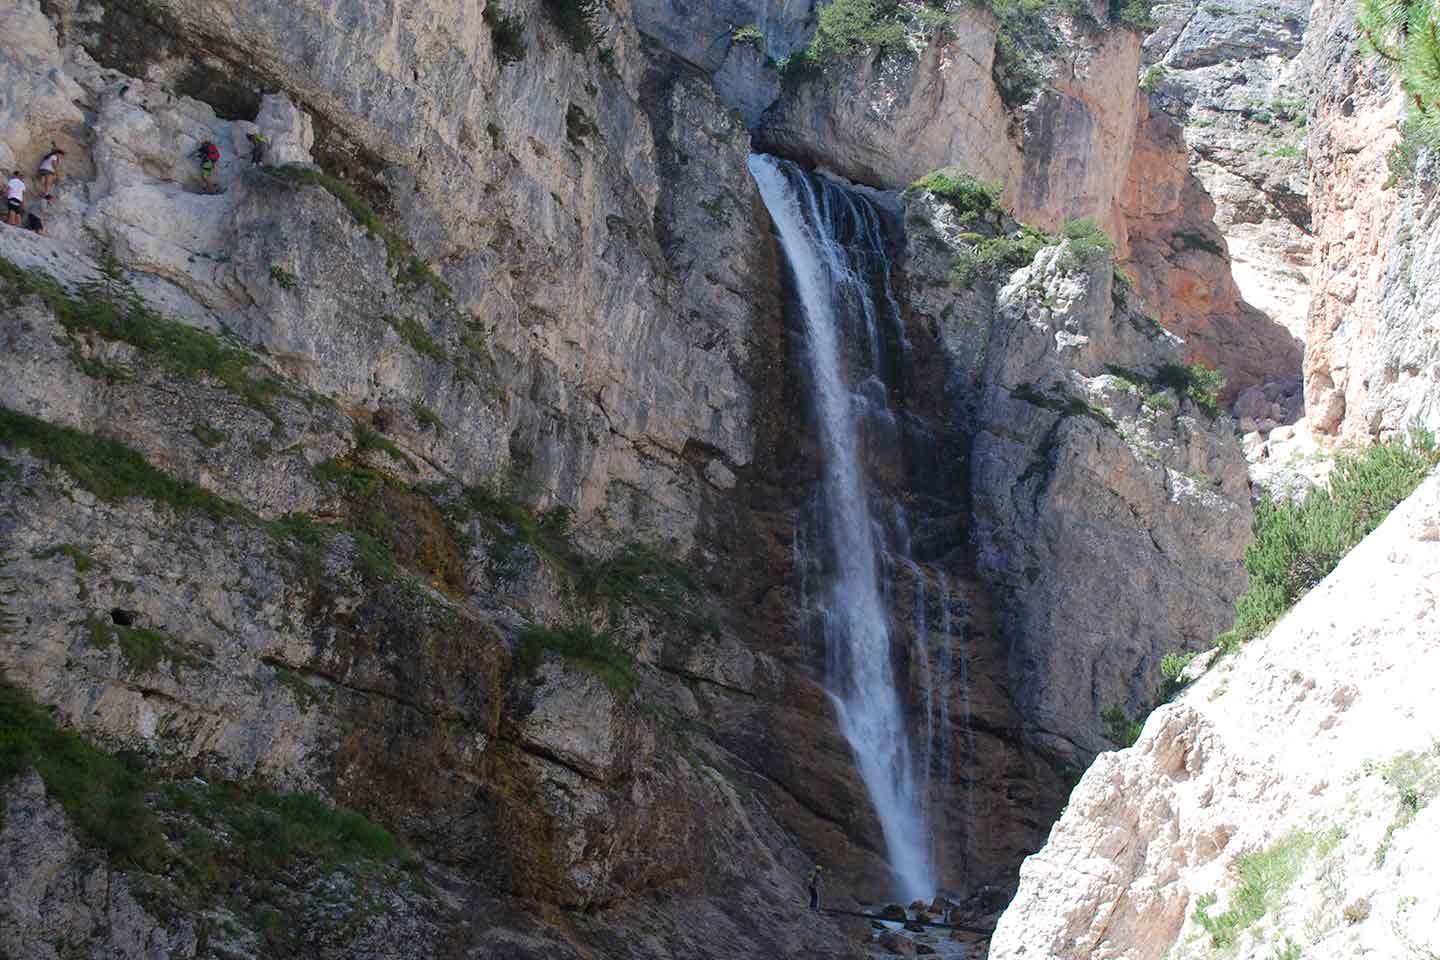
1062,402
749,34
142,649
969,195
1296,545
578,22
110,307
109,800
426,417
1405,34
82,560
993,258
1196,381
507,33
104,796
581,646
267,831
283,278
208,435
1152,77
1262,881
107,468
1122,731
848,27
418,338
1086,239
639,575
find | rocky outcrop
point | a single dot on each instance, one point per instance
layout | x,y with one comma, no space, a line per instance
1370,367
1284,804
1082,474
1083,464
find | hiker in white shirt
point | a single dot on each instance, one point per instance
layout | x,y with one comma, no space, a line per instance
14,198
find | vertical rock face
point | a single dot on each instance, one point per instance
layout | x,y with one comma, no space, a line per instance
1370,366
1081,478
1179,261
1235,82
1302,768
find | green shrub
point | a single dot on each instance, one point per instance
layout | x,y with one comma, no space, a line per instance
798,67
1122,731
749,34
142,649
849,27
1172,669
1133,15
970,196
427,418
1152,77
418,338
284,278
107,468
1194,380
580,646
82,560
207,435
507,33
1296,545
995,258
1405,34
577,20
640,575
1085,240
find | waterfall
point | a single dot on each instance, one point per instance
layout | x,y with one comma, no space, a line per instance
831,237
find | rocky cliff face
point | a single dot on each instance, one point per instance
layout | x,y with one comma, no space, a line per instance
1282,806
1370,369
451,474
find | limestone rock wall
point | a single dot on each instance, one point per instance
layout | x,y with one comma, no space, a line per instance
1371,363
1308,752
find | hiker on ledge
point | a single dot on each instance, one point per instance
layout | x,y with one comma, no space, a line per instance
208,154
812,882
49,172
14,198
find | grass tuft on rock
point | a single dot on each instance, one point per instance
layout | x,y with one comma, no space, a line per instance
103,796
597,653
110,307
107,468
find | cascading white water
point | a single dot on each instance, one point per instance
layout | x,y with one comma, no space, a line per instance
856,620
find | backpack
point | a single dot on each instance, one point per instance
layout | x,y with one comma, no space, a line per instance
208,151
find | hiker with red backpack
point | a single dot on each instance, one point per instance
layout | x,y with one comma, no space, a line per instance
208,154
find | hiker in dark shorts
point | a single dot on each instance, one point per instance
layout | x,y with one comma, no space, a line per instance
14,198
258,143
813,883
49,173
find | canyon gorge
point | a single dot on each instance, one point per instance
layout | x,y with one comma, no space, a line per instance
589,462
